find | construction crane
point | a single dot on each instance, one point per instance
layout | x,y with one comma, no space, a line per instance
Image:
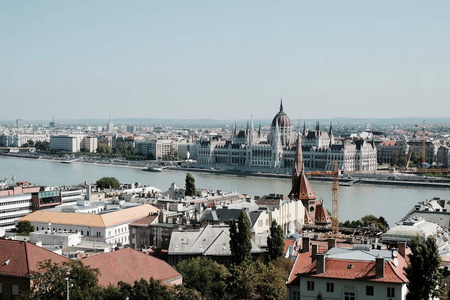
424,155
335,192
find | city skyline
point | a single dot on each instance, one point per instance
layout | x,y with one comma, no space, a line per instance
211,60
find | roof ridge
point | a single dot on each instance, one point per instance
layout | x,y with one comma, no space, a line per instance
26,258
214,240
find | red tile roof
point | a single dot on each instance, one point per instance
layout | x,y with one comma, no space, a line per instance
19,258
388,143
303,260
361,270
129,265
145,221
287,243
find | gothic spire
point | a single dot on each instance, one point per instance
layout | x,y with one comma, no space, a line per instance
281,104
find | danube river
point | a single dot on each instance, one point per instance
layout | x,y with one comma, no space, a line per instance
355,202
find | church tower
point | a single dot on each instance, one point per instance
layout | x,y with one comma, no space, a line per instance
315,212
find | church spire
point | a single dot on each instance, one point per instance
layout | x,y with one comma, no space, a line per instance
317,127
281,104
304,128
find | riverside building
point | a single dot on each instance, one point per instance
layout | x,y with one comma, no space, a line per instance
249,151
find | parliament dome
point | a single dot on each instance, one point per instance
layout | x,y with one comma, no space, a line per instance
281,118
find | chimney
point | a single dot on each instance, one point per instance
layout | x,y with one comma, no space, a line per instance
402,248
331,243
320,265
379,266
314,252
305,244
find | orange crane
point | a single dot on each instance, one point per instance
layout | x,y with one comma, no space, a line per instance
335,192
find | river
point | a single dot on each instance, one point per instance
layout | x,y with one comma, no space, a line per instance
355,202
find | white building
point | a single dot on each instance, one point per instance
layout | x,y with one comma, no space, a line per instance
349,274
248,150
157,149
107,225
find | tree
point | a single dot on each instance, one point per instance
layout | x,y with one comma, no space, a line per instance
319,296
151,290
241,239
49,282
42,146
190,185
108,182
275,241
204,275
425,278
256,281
24,228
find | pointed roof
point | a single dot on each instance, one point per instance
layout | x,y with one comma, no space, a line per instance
301,187
281,104
19,258
129,265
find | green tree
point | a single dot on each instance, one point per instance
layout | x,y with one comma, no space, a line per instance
204,275
241,239
190,185
42,146
24,228
284,265
256,281
425,278
319,296
49,282
275,241
108,182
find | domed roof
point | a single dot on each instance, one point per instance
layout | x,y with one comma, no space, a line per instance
281,118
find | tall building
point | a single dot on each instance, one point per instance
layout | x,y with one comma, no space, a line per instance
250,151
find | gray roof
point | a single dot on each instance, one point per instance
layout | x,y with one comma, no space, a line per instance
357,254
210,241
224,215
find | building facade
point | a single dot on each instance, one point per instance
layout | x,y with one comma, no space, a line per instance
249,151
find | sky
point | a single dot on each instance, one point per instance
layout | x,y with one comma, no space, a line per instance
224,59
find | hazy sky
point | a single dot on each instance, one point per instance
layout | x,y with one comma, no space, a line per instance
224,59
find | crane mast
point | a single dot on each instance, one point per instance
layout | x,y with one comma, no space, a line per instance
335,192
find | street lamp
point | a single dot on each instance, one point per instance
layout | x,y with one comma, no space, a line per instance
67,285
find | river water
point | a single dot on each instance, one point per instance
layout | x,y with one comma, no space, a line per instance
355,202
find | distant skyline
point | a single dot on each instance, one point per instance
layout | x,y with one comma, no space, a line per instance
224,59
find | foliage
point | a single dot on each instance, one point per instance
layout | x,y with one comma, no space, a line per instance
151,290
42,146
103,149
241,239
172,155
425,278
49,282
108,182
24,228
275,241
190,185
256,281
319,296
367,221
284,265
204,275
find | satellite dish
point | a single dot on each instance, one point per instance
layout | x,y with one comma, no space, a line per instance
395,253
396,262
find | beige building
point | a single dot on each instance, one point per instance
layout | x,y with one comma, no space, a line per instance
108,227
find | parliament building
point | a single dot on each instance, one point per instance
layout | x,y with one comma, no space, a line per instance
248,150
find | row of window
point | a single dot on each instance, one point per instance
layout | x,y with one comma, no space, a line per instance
370,291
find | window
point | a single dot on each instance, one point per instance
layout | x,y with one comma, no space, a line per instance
349,296
310,285
296,295
390,292
369,290
330,287
14,291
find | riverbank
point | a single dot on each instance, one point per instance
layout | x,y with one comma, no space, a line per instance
388,179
